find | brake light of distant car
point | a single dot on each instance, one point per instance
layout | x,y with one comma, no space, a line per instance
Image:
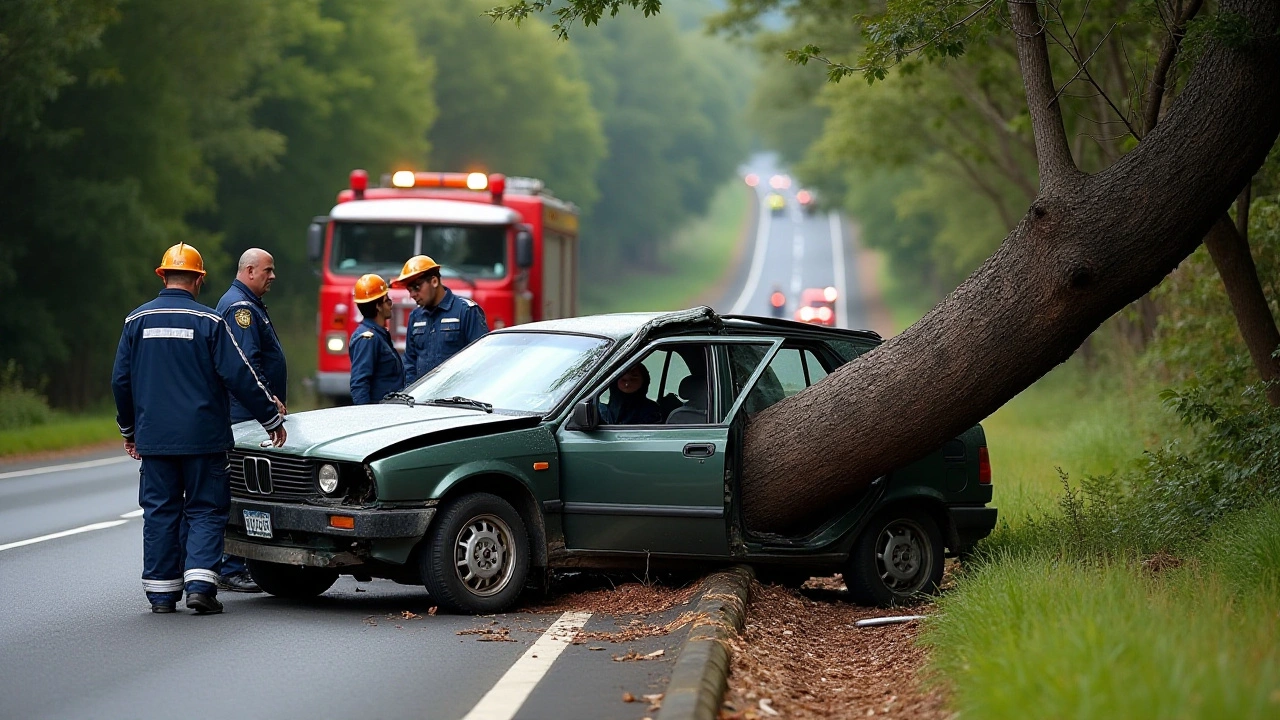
829,294
824,314
779,182
777,299
806,314
984,466
752,179
804,197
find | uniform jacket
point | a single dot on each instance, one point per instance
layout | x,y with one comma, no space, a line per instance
376,367
175,365
247,318
435,335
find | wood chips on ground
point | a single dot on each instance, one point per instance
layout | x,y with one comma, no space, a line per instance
801,656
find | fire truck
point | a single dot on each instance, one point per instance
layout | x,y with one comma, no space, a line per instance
505,242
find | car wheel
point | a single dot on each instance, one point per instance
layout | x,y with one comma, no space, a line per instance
476,555
291,581
897,560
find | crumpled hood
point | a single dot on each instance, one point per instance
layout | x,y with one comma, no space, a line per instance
354,433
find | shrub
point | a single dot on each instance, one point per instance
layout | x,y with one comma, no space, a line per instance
19,407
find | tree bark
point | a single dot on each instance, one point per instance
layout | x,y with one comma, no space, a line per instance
1088,246
1230,253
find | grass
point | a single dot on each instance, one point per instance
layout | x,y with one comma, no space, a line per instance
60,432
694,263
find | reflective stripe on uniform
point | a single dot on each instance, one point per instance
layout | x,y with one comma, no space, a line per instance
199,575
173,311
276,421
160,586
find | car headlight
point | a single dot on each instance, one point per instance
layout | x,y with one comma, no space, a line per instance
328,479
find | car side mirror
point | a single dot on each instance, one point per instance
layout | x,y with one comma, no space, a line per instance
524,249
586,416
315,238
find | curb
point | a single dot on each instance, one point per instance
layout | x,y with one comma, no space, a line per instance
701,674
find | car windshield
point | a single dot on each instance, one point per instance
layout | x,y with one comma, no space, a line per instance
518,371
478,251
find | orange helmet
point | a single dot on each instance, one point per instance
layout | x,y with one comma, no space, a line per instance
370,287
415,266
181,257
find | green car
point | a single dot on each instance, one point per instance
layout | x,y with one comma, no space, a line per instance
546,446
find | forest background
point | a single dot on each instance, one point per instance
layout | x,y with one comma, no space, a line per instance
129,125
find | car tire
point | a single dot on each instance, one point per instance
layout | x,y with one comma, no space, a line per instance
475,557
898,559
291,581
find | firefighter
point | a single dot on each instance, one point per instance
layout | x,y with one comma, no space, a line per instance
376,367
174,369
441,325
245,314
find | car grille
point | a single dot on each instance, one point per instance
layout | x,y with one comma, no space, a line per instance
274,475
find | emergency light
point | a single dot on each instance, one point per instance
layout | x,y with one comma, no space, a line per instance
407,179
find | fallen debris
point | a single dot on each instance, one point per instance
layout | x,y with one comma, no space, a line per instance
632,656
891,620
489,634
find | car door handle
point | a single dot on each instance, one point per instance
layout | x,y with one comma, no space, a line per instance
699,450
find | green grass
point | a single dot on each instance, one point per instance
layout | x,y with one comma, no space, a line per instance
1038,637
693,265
59,433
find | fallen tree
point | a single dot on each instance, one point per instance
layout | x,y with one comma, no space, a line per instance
1088,245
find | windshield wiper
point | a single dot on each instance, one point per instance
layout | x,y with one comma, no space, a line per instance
459,400
400,397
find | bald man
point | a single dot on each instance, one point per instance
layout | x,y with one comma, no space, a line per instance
242,309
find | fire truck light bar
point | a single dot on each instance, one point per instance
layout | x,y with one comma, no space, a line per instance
409,179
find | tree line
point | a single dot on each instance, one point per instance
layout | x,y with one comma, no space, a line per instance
128,125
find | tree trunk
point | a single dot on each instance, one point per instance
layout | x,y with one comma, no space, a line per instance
1230,253
1088,246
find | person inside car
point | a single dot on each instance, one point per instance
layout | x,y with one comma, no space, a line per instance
629,403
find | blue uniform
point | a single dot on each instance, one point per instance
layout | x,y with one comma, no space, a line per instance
437,334
247,317
376,367
175,365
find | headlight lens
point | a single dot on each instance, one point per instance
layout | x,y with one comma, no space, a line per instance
328,479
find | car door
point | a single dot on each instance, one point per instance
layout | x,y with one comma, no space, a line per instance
657,487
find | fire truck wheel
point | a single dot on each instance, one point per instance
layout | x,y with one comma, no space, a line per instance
476,555
291,581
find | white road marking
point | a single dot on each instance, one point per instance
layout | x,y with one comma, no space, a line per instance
65,533
757,261
70,466
132,514
797,264
837,249
504,699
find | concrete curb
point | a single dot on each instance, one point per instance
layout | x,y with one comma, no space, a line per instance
701,674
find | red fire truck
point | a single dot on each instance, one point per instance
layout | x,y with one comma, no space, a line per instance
506,243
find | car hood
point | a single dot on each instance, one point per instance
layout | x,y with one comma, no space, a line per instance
355,433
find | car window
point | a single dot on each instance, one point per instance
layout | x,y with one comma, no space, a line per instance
849,350
790,371
668,386
743,361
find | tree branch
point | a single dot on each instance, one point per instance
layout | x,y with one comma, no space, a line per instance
1053,154
1160,74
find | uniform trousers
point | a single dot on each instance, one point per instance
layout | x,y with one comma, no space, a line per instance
185,502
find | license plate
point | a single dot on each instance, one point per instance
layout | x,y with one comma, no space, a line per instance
257,523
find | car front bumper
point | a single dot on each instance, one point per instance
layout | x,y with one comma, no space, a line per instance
303,534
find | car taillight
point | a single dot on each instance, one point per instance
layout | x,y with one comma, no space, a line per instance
984,467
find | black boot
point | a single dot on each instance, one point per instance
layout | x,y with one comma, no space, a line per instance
203,604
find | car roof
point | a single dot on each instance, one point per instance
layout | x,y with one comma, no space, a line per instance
619,326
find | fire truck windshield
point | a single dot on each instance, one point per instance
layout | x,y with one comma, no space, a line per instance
477,251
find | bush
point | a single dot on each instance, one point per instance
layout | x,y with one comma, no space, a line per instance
1244,550
20,407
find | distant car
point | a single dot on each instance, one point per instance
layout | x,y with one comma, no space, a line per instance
505,463
818,306
805,200
776,202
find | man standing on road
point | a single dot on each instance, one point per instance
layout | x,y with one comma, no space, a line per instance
441,325
242,309
376,367
175,367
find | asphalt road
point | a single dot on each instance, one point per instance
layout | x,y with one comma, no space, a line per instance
79,641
